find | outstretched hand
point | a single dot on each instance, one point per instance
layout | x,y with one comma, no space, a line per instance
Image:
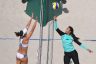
90,51
24,1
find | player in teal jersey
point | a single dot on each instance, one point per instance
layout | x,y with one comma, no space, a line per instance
68,37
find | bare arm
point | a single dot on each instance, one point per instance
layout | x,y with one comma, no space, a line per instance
32,30
28,24
82,45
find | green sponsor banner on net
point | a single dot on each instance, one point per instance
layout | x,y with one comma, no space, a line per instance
34,6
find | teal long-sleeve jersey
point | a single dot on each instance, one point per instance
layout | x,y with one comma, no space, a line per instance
67,40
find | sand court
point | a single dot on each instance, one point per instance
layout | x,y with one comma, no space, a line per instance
81,16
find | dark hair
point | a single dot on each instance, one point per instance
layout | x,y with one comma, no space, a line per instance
19,33
71,29
72,33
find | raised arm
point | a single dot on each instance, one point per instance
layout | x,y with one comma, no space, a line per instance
56,27
32,30
28,24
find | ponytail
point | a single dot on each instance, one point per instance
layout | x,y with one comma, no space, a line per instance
74,36
19,33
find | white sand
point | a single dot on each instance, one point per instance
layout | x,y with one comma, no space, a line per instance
81,16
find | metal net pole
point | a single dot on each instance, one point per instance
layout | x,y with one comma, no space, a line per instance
41,34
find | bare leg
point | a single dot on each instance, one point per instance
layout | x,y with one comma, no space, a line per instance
18,61
24,61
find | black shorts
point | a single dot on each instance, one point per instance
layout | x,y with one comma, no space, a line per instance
71,55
